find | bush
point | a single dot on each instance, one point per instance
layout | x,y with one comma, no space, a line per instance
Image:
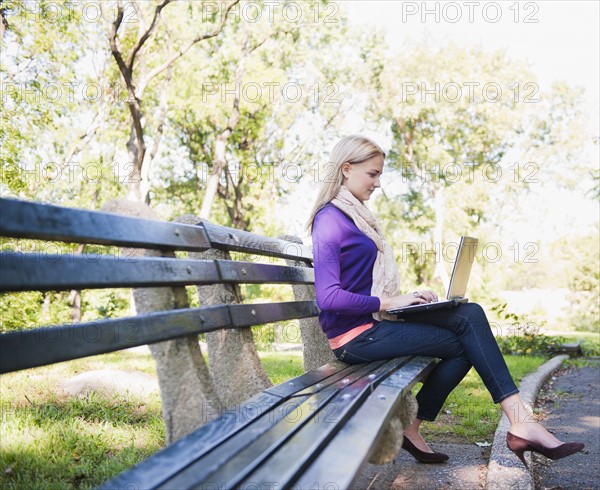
529,342
525,337
591,347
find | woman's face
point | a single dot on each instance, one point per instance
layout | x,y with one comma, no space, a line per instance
362,179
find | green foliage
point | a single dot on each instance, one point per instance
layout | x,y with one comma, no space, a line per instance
19,310
106,304
44,96
591,347
35,309
262,83
584,285
527,342
268,337
522,337
441,155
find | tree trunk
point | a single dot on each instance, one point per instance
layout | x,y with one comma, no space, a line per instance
213,179
75,297
133,174
220,160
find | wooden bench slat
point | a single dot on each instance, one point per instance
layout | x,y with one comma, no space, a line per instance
245,449
250,273
308,383
20,219
248,315
311,440
44,272
241,454
41,272
414,372
229,239
349,450
41,346
150,473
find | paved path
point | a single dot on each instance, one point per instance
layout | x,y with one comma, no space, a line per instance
465,470
571,400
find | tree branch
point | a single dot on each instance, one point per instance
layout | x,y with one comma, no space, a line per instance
140,42
114,47
159,69
132,101
3,22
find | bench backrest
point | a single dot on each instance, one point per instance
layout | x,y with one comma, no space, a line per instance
36,271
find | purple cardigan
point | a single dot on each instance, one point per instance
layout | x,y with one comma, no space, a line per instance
343,259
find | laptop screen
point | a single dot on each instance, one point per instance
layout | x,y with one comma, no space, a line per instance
465,256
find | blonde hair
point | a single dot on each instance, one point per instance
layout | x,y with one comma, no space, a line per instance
352,149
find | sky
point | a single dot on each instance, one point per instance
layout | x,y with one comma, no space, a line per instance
558,39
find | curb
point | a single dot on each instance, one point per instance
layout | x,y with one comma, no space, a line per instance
505,470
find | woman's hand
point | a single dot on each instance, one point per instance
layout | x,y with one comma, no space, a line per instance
416,298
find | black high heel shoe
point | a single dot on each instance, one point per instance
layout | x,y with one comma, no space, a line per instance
422,456
518,445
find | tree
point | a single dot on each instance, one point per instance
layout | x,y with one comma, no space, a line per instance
37,74
138,70
453,118
244,126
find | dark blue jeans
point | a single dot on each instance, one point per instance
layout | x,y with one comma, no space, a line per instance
461,337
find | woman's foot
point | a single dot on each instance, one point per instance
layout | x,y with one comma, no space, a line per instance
414,443
523,423
423,456
415,437
535,433
518,445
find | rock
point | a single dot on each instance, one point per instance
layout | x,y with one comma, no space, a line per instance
111,382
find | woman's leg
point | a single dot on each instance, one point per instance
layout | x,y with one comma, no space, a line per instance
472,328
469,322
460,336
392,339
471,342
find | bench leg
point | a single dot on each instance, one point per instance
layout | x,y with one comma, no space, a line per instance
390,443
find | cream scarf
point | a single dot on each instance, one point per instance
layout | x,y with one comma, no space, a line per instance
386,279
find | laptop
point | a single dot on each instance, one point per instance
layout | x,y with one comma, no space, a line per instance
461,271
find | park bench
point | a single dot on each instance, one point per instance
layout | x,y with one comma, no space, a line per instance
314,431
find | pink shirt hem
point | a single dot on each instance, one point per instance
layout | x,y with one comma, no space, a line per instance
346,337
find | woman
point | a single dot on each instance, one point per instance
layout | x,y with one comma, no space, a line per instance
356,280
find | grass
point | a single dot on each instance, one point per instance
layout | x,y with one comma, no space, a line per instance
281,366
52,441
49,440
